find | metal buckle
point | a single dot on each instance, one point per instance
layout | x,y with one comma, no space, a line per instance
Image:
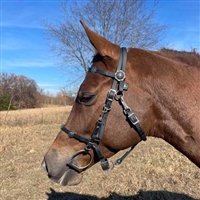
133,118
119,95
124,105
111,95
106,166
105,109
89,146
112,165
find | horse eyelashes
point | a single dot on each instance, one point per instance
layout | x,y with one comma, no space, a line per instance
86,98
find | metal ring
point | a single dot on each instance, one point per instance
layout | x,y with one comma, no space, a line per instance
113,165
78,168
118,96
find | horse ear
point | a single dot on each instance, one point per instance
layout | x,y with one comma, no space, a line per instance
103,46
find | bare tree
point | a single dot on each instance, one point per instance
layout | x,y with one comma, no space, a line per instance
124,22
18,91
65,97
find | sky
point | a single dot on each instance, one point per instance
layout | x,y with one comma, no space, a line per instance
25,51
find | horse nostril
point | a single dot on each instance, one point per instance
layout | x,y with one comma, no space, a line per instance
49,175
44,166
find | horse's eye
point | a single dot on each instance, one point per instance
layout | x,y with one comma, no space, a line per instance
86,98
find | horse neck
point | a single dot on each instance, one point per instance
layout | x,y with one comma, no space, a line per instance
174,97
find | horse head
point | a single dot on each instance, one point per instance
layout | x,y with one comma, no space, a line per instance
97,127
85,113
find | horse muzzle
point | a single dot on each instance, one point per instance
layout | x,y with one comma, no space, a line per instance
63,175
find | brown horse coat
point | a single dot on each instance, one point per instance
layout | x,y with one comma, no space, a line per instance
164,93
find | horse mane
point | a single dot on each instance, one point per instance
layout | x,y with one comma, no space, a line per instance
190,58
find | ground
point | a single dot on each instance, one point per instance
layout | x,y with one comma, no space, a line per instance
153,171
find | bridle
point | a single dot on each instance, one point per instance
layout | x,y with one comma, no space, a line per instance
115,93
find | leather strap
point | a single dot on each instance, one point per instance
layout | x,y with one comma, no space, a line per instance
115,93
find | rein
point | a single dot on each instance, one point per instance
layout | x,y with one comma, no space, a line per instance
115,93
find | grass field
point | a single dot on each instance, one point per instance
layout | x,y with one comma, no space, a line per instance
153,171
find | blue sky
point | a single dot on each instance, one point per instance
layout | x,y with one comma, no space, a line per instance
25,51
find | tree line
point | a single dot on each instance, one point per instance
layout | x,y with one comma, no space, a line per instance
21,92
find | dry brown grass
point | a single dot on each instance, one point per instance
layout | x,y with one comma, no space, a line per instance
34,116
153,171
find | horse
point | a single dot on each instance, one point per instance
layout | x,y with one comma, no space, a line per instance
127,96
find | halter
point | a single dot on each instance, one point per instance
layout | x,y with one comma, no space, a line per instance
115,93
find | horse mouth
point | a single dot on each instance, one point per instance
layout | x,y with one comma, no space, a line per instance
66,177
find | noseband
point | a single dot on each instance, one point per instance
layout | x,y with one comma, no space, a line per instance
115,93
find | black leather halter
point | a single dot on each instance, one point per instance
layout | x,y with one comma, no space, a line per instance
115,93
